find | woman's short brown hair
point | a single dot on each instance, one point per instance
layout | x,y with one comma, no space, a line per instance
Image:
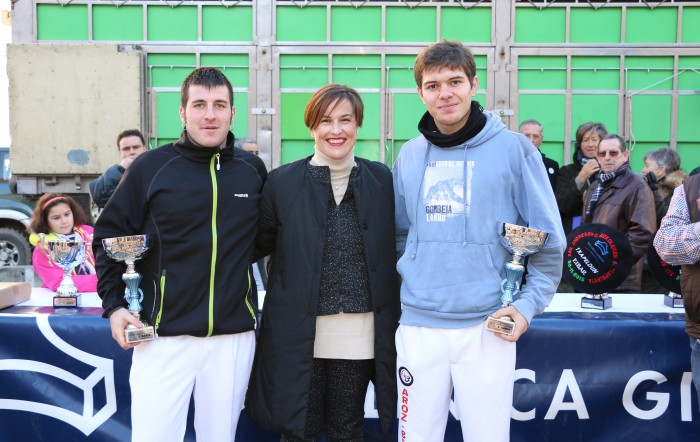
583,129
324,101
40,223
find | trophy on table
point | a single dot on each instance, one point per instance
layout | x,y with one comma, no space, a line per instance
130,249
65,254
521,242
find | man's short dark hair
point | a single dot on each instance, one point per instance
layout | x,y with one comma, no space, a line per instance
241,141
207,77
444,55
621,141
131,133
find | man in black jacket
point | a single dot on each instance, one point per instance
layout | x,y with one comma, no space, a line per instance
198,200
532,129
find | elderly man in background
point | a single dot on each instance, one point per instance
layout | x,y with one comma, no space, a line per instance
532,129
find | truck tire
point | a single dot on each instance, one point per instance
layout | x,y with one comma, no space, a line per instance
14,248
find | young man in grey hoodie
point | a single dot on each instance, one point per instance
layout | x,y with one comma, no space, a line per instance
454,184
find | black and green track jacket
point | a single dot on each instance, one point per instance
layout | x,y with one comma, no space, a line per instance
200,208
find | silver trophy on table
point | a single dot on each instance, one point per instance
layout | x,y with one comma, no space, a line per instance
130,249
521,242
65,254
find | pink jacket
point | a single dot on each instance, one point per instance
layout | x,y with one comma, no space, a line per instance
52,275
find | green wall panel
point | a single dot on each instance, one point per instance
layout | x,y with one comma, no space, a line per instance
541,73
345,21
293,150
646,71
240,121
234,66
467,25
595,73
301,24
172,24
405,24
481,72
57,22
408,110
546,110
691,31
358,71
689,80
161,141
168,115
598,108
123,23
170,70
553,151
533,25
368,149
292,116
690,155
645,25
651,118
400,72
227,24
689,118
638,152
590,25
370,120
303,71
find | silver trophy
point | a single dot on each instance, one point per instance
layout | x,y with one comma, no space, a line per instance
66,255
521,242
130,249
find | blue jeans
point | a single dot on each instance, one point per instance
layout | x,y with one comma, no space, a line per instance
695,364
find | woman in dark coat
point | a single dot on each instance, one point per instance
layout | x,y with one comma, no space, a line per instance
574,178
332,305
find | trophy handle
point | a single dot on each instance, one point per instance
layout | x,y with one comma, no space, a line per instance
42,248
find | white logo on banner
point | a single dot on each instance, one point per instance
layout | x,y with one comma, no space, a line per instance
86,422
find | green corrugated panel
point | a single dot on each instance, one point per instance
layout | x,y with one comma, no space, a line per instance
651,118
301,24
417,24
690,155
172,24
227,24
358,71
370,123
303,71
58,22
368,149
467,25
533,25
541,73
112,23
408,110
598,108
234,66
548,110
644,25
346,21
170,70
481,71
595,73
646,71
292,115
691,31
689,80
688,118
400,74
168,115
601,25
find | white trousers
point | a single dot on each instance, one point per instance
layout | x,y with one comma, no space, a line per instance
480,367
166,372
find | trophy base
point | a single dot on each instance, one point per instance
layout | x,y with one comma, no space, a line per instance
500,325
135,334
70,301
596,303
673,301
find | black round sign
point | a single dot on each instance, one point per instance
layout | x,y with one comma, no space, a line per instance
668,276
597,258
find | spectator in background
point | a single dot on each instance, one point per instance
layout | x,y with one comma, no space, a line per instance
131,144
249,144
532,129
61,218
575,178
621,199
662,172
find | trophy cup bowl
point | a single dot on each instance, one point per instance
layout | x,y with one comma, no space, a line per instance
521,242
66,255
130,249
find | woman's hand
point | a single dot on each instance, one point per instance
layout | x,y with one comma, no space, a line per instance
588,170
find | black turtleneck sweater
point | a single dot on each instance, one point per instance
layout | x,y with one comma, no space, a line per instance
475,123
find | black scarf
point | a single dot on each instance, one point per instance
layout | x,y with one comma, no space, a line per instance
475,123
604,180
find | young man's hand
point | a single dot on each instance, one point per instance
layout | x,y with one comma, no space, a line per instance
118,321
521,323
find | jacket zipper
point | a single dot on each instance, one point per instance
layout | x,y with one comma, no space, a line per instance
162,298
248,304
212,271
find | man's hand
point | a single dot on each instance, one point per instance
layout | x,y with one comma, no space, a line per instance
520,323
118,321
650,177
126,162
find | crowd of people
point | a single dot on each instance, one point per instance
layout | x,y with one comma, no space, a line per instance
340,311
